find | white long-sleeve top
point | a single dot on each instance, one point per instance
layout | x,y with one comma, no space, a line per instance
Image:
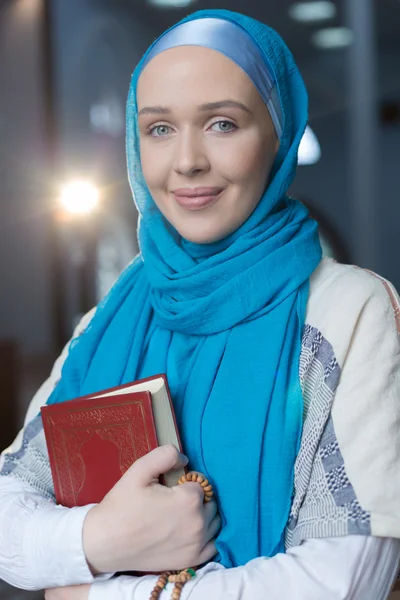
41,546
350,451
350,568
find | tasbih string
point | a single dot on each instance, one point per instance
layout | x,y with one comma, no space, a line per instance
179,578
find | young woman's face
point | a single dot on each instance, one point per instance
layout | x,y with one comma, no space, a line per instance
207,141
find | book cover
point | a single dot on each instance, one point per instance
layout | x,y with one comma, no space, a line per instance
93,440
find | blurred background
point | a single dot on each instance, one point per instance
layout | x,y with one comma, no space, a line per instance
67,220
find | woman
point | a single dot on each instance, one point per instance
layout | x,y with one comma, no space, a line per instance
284,370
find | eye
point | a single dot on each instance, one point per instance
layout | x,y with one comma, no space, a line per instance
159,130
223,126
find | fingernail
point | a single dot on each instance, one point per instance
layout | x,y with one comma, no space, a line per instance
184,457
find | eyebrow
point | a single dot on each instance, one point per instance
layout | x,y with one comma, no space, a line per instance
161,110
224,104
154,110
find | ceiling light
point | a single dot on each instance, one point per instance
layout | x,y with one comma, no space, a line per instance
310,12
170,3
333,37
79,197
309,149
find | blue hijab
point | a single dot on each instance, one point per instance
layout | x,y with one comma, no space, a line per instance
224,321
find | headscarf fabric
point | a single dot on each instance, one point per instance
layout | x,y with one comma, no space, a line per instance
229,39
224,321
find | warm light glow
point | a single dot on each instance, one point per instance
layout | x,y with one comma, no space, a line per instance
79,197
333,37
170,3
309,149
311,12
27,9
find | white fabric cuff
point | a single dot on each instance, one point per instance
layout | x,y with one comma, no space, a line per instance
53,546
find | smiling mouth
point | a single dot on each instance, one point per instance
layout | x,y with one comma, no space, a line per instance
197,198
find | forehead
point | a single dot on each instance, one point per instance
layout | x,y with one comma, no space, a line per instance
193,71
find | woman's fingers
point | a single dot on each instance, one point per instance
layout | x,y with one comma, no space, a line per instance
148,468
214,527
210,510
208,552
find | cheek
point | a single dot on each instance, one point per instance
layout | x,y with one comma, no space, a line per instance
244,161
145,161
153,166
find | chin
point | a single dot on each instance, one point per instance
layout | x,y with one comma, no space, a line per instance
198,236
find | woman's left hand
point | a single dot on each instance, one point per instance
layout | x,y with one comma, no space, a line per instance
71,592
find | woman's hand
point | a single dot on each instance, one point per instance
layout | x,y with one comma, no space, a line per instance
71,592
143,526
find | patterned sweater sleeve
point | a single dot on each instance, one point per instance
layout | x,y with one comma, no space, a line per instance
27,458
347,473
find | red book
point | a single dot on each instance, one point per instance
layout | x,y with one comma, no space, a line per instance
94,439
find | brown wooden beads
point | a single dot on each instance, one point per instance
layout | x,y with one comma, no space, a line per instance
179,578
197,478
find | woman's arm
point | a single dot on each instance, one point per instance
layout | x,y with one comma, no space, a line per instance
40,543
347,568
140,525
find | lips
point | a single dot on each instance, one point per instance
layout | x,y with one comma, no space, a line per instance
197,198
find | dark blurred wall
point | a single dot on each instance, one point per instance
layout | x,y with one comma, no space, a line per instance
327,183
24,250
96,47
94,53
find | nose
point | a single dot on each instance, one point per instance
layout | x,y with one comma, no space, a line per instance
191,156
